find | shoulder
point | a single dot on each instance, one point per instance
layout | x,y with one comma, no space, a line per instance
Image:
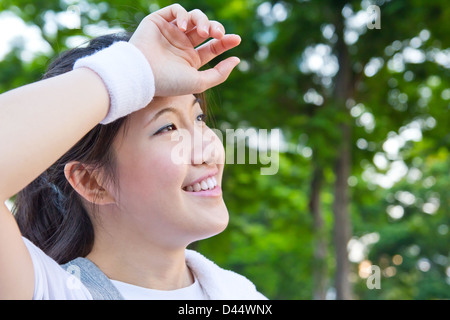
51,281
220,283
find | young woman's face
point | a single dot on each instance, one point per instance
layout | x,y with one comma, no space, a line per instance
165,161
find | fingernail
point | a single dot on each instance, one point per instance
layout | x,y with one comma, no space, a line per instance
220,30
206,29
184,25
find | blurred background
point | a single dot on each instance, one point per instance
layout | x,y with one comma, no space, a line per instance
359,208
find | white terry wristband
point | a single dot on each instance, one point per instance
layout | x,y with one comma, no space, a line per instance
127,75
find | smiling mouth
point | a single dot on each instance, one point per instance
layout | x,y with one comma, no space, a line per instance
204,185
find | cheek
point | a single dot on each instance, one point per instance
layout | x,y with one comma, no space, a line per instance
150,175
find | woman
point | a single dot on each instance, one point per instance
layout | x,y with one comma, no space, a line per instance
104,211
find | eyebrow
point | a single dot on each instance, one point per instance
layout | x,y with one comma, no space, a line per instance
173,110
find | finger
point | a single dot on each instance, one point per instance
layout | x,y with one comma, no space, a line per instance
216,47
175,12
200,22
216,30
215,76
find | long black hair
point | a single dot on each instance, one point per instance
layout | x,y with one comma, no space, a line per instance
49,211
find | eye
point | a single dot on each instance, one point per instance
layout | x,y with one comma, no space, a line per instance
167,128
201,117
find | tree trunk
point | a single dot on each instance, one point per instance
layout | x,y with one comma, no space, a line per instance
342,224
320,274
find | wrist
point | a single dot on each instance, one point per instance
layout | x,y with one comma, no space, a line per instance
94,88
127,76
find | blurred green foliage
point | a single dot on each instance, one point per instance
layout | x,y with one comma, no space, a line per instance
399,181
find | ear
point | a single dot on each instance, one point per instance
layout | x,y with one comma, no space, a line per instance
88,183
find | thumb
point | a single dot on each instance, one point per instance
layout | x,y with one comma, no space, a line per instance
215,76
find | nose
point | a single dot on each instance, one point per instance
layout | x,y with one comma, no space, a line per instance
206,147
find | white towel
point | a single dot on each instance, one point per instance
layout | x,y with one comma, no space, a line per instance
218,283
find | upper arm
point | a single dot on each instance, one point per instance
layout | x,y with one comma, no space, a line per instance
16,266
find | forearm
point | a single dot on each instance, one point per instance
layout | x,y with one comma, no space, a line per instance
41,121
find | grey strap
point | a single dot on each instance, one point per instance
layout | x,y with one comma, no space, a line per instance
98,284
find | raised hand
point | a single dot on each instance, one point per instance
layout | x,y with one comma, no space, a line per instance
171,39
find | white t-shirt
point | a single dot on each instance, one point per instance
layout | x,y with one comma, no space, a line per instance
51,281
132,292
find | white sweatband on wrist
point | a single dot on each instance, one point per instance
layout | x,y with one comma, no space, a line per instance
127,76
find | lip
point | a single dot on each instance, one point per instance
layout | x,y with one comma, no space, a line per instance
216,192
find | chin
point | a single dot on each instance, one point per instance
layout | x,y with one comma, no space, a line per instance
214,227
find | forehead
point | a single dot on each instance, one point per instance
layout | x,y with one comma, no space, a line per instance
159,103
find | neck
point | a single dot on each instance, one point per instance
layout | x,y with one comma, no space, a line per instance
147,266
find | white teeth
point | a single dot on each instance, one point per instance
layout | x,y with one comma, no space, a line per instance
210,183
207,184
204,185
